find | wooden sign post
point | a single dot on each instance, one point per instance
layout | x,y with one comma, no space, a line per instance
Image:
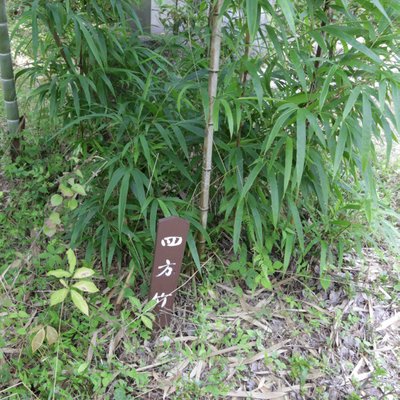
171,238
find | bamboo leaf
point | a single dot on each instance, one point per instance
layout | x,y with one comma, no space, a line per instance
228,114
297,223
341,144
339,33
253,17
116,177
255,78
288,251
300,144
276,128
287,9
366,132
237,226
325,86
288,162
351,101
379,6
251,178
123,196
193,250
275,204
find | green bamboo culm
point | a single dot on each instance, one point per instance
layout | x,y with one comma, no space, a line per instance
7,74
215,52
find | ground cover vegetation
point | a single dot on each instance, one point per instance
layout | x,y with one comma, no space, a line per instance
307,92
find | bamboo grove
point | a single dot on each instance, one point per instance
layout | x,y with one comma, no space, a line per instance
291,97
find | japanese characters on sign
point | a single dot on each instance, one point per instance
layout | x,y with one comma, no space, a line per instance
170,245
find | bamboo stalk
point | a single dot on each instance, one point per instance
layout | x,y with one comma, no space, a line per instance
7,74
215,50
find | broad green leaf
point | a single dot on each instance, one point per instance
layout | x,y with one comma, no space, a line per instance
79,302
148,306
38,340
49,228
58,296
86,286
51,335
82,367
55,218
147,321
71,257
59,273
56,200
300,144
79,189
72,204
65,191
83,272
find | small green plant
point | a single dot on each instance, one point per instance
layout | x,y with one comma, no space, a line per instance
143,311
67,200
74,282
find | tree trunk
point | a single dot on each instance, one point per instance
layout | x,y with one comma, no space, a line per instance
215,47
7,75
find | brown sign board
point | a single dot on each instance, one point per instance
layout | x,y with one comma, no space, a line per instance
171,238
